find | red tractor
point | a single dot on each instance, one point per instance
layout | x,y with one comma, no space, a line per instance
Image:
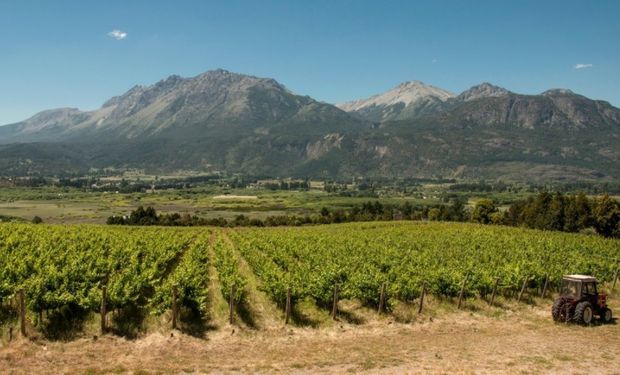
579,301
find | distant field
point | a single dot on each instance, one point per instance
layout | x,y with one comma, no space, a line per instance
71,206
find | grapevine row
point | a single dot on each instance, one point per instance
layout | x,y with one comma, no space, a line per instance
361,257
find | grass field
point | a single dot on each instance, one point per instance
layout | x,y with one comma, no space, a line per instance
512,338
67,205
72,206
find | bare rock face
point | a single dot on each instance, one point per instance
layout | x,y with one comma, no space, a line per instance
181,107
488,105
407,100
211,98
483,90
315,150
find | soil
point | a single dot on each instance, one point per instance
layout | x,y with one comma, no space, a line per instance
524,340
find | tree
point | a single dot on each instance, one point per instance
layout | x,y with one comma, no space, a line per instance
606,217
498,218
584,211
378,208
542,217
407,209
514,214
556,212
483,210
37,220
456,211
142,216
434,214
571,217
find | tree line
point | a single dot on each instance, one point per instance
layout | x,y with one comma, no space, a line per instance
555,211
368,211
546,211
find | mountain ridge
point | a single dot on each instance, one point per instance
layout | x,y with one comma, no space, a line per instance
212,98
220,120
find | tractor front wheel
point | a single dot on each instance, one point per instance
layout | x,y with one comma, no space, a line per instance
561,310
583,313
606,315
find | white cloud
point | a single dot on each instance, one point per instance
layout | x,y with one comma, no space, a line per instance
583,66
434,61
117,34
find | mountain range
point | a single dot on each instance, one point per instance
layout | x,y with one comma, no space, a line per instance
243,124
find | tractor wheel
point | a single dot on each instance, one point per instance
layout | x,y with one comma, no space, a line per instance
606,315
560,310
583,313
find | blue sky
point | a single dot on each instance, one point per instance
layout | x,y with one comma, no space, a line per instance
61,53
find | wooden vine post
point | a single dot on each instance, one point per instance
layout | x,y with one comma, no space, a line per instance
422,293
544,291
615,276
287,311
22,313
462,293
335,305
522,289
382,299
494,291
104,309
175,307
231,304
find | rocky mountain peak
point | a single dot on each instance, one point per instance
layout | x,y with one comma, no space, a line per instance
406,93
410,85
186,107
483,90
170,81
554,92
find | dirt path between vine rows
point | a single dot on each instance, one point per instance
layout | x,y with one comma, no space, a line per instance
263,309
522,341
217,306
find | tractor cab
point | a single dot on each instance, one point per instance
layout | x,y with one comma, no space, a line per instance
578,287
580,301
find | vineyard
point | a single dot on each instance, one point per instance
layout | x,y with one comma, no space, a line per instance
361,257
59,267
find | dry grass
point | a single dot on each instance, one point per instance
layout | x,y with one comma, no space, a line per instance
262,311
479,339
235,197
